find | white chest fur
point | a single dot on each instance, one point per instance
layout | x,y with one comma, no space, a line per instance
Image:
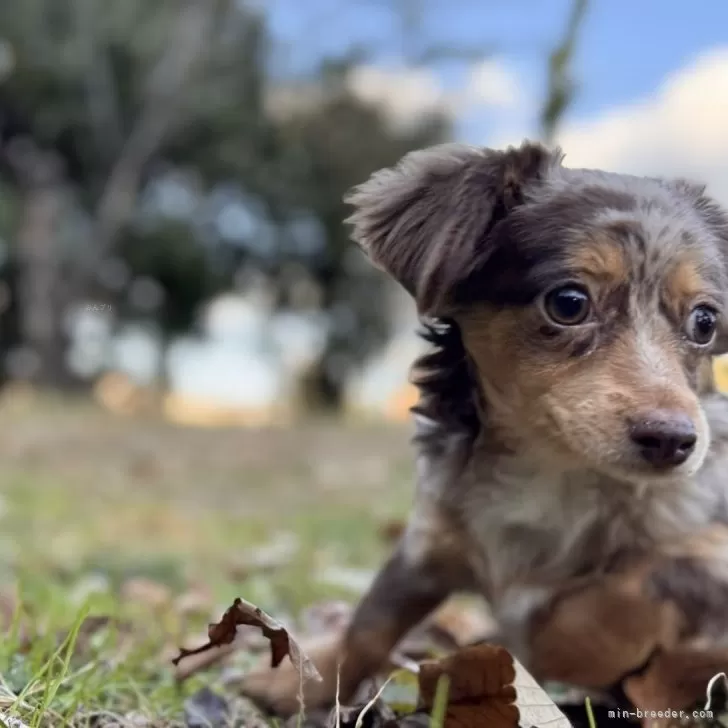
534,528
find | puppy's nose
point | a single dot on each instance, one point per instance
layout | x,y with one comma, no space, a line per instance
664,438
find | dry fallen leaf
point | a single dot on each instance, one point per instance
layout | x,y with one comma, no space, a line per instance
535,706
487,687
246,638
480,689
281,643
197,600
148,592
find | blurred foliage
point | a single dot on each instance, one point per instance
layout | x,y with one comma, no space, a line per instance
130,131
173,259
561,85
126,95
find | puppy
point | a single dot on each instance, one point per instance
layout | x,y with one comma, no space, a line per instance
567,420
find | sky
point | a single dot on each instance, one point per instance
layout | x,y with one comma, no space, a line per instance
626,47
652,74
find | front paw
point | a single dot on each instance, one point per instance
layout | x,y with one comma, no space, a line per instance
282,691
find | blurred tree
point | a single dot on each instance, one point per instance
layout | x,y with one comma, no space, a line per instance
331,148
153,152
104,103
90,95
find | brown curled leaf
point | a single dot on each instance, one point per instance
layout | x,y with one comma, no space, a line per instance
487,687
243,613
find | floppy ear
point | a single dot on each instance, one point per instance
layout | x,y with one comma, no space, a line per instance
427,220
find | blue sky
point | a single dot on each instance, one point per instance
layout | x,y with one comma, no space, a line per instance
625,50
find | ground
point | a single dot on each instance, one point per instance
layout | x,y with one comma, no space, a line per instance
159,528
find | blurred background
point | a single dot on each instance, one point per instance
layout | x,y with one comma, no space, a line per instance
171,229
204,383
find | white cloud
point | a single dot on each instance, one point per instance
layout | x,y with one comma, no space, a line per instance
492,83
406,94
681,130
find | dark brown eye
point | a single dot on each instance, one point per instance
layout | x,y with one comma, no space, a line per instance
702,325
567,306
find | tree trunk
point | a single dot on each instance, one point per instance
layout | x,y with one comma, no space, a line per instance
39,280
319,392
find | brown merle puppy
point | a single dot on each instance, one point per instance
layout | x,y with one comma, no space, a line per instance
567,419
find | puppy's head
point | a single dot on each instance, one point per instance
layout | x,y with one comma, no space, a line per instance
589,303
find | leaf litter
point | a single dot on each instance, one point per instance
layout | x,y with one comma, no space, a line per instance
243,613
486,686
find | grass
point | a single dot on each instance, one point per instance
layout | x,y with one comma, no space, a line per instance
439,705
91,505
590,713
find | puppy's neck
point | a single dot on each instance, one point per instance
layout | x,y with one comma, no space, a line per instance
537,523
548,491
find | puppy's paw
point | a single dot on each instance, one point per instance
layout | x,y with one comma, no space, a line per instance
593,636
279,690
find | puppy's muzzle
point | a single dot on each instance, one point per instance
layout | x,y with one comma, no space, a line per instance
664,438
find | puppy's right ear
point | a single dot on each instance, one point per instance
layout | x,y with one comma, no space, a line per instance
426,221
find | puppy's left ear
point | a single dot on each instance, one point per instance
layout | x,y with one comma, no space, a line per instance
428,221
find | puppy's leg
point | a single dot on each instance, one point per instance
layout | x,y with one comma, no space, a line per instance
595,633
647,626
404,593
693,574
430,563
418,577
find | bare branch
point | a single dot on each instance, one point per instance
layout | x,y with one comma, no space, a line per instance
561,84
160,114
101,91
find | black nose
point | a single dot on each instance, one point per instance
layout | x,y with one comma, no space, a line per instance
664,438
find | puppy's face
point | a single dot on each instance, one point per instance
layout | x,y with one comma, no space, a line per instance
590,303
601,366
